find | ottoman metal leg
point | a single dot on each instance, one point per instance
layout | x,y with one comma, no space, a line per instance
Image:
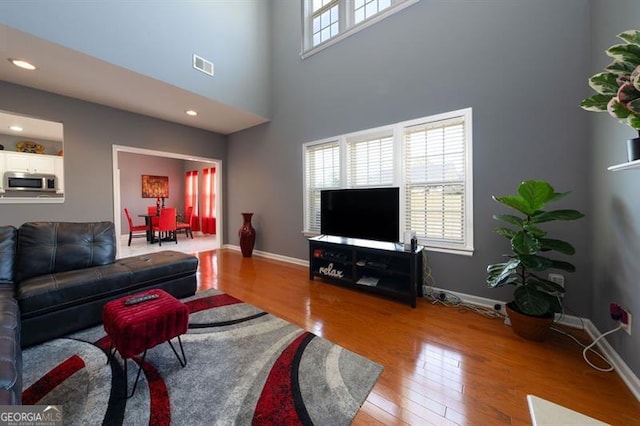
182,361
126,376
112,351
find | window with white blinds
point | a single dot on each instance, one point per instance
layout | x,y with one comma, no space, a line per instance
370,162
322,171
435,172
429,159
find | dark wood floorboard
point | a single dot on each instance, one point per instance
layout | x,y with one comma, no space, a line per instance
442,365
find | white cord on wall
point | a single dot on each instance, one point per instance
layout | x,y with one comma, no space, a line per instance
589,347
449,299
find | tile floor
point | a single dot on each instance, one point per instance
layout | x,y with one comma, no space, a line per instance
200,242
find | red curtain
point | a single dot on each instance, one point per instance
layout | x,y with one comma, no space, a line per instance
191,197
208,201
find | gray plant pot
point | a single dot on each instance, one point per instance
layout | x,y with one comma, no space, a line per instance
633,149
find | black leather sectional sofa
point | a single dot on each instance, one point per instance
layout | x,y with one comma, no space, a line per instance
55,278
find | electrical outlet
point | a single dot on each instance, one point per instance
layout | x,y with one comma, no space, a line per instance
625,320
614,310
558,279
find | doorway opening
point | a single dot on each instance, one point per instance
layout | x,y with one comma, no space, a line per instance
201,241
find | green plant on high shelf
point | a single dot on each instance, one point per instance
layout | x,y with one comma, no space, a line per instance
534,295
618,88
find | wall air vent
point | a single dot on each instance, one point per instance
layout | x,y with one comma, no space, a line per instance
202,64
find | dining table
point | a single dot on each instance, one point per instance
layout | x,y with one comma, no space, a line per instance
149,223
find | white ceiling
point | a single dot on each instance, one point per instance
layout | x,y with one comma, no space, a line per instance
68,72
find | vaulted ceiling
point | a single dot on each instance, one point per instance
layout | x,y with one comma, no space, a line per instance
71,73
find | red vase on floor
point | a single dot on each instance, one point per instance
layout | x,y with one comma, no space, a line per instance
247,235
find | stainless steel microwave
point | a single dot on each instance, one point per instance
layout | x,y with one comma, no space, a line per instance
18,181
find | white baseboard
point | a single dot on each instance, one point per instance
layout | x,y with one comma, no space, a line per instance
271,256
623,370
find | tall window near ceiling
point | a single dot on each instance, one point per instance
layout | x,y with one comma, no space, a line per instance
191,197
327,21
365,9
324,20
208,201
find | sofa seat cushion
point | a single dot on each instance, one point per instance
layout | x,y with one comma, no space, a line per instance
148,269
53,292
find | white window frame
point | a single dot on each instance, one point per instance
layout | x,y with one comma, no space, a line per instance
398,132
346,24
466,247
306,184
367,135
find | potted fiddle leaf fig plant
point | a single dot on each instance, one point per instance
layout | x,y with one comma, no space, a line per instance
535,298
618,87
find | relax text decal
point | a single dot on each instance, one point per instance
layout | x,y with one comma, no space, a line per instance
330,272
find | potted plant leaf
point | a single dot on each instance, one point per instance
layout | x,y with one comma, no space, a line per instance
535,297
618,87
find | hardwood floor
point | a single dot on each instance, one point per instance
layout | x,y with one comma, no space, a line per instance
442,365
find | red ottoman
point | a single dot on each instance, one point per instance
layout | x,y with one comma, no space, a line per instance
136,328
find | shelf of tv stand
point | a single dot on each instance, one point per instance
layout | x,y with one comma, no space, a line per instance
396,271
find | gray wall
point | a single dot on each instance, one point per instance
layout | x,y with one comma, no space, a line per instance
521,65
160,39
132,167
90,131
616,200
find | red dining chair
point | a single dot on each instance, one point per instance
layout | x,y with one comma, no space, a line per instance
134,228
186,225
167,225
153,212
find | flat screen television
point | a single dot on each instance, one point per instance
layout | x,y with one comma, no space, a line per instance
371,214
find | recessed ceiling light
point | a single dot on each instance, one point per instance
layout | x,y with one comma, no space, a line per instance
15,128
22,64
191,112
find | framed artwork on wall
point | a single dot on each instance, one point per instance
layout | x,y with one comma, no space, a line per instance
155,186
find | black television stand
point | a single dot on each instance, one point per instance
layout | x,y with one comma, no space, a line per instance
374,266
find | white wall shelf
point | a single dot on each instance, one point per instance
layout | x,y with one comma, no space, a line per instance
624,166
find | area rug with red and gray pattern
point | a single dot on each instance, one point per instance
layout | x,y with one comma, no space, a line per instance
244,366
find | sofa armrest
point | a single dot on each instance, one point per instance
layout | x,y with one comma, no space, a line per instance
8,243
10,351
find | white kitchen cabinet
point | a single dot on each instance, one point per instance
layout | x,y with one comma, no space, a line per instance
2,170
11,161
29,163
59,172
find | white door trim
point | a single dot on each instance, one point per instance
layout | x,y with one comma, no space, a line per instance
130,149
